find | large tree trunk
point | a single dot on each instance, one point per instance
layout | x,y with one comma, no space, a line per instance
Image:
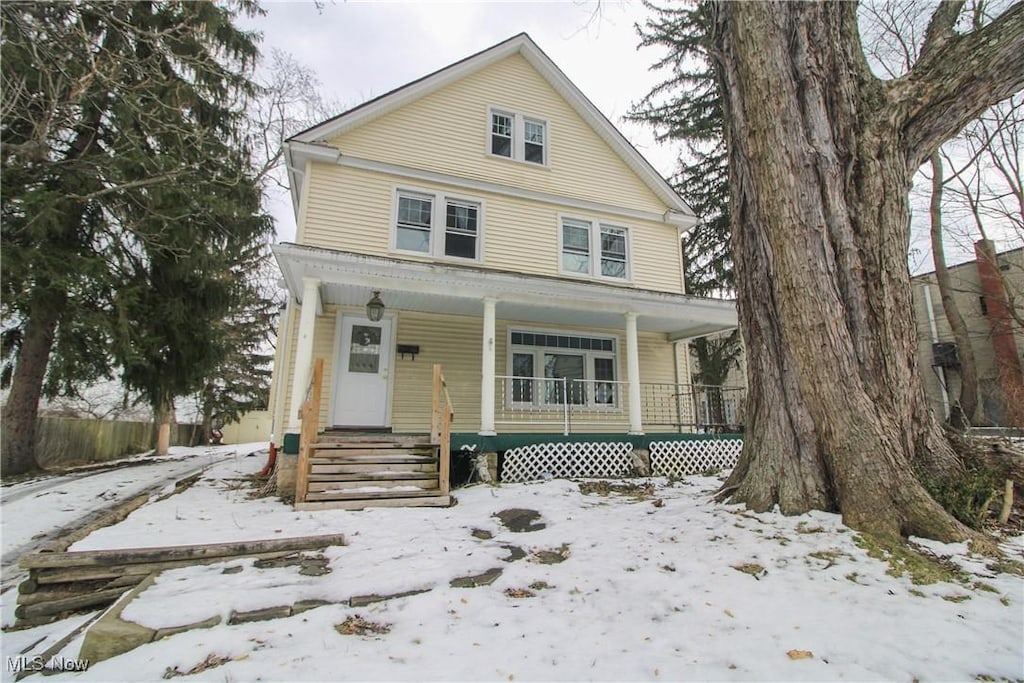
18,432
968,410
821,156
162,415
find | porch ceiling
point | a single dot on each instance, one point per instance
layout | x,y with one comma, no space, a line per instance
350,279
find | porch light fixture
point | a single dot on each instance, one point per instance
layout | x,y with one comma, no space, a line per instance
375,308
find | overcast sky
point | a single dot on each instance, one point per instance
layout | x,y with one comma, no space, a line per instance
360,50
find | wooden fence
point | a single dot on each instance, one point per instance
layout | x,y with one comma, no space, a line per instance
69,441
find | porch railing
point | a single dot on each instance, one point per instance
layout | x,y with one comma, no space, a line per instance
441,415
575,404
309,414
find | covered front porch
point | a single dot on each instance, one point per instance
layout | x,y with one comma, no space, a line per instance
521,353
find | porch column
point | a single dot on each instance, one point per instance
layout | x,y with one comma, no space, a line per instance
304,348
487,371
633,375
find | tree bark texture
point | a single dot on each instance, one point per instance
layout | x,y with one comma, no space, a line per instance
162,415
18,432
968,409
821,156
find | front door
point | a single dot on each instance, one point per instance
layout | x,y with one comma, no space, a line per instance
361,387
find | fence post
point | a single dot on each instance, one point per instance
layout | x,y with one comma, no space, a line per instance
565,406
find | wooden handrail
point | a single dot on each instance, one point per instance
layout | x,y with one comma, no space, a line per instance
310,416
441,414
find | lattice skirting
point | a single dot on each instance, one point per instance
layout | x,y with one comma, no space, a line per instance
565,460
679,458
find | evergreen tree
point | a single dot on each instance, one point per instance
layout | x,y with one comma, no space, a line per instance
119,122
687,107
241,381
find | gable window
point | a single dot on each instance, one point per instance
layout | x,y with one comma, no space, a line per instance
519,137
533,141
501,134
437,225
555,369
592,248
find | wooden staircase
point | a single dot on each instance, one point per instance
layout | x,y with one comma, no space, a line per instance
351,471
373,470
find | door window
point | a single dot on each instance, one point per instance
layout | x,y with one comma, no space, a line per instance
365,353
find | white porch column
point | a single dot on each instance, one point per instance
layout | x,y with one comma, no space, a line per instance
633,375
487,371
304,348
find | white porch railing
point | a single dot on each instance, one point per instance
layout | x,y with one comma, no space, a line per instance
574,405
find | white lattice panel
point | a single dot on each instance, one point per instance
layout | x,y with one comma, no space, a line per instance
679,458
565,460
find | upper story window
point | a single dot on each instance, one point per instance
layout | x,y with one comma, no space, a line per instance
501,134
437,225
595,249
520,137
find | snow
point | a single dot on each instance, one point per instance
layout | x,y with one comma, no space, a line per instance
647,590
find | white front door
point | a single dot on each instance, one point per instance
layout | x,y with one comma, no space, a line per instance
361,382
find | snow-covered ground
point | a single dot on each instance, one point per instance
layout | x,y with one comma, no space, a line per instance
35,511
664,586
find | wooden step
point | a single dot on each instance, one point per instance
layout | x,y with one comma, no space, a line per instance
321,486
385,459
379,493
387,475
428,501
329,450
333,467
400,439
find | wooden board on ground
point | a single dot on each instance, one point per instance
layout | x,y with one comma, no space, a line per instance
92,558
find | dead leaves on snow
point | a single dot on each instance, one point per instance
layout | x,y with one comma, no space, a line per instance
800,654
752,568
212,661
356,625
642,491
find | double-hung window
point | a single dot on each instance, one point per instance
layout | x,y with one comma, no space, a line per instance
415,218
595,249
437,225
555,369
520,137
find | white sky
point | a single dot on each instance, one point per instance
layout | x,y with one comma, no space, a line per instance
360,50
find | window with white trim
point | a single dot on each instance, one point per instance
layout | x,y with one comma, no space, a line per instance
554,369
437,225
595,249
517,136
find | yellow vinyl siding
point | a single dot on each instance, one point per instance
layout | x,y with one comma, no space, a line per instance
454,341
353,210
448,131
323,347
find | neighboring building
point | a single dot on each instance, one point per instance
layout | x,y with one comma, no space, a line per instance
514,237
987,291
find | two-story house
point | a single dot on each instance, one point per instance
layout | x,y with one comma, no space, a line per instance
489,219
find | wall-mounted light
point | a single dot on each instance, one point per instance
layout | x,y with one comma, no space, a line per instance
375,307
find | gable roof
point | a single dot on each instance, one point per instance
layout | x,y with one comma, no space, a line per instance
520,44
